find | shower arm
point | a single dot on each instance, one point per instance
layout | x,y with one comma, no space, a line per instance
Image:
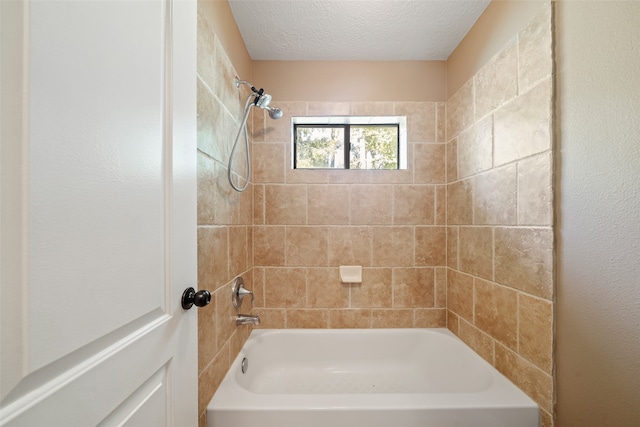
258,93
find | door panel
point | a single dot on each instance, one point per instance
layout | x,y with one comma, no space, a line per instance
98,213
95,170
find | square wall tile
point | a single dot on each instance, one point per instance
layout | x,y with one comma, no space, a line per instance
460,203
452,161
371,204
535,328
224,312
371,109
441,122
328,204
475,148
479,341
285,287
453,322
268,162
350,318
494,197
238,250
285,204
307,246
207,339
452,247
269,245
350,246
211,377
324,289
216,128
441,287
441,205
430,246
460,110
391,318
460,294
524,259
317,108
496,311
429,163
308,318
213,258
535,191
535,56
413,287
205,49
258,118
497,81
413,204
537,384
375,289
429,318
476,251
206,188
224,82
271,318
258,204
305,176
523,126
392,246
421,120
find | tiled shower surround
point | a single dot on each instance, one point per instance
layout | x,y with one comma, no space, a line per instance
224,216
500,213
462,238
309,222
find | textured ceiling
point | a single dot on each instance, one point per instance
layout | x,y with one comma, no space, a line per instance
354,29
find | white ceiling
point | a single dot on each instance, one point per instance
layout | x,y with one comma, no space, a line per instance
354,29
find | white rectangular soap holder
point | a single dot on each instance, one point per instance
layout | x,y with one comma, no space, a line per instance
351,273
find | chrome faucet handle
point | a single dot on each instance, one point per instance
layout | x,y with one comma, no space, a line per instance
238,292
242,292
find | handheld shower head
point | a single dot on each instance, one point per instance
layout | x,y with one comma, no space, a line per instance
263,102
274,112
257,98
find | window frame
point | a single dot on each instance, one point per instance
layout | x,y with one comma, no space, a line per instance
346,122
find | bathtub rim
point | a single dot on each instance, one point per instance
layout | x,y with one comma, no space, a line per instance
231,396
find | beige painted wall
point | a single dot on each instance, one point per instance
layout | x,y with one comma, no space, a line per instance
598,251
495,27
351,81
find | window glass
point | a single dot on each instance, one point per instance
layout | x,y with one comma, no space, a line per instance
349,142
373,147
319,147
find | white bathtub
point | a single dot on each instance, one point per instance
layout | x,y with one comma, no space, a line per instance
365,377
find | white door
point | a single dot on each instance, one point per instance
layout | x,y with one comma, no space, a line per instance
98,213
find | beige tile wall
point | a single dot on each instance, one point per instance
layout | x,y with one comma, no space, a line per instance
224,216
309,222
499,206
461,238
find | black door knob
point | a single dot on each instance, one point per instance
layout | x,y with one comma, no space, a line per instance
191,297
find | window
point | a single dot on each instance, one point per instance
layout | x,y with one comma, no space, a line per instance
349,142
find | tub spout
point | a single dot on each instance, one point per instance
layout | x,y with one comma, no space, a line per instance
247,319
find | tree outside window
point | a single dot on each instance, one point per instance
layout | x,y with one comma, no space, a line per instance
346,146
